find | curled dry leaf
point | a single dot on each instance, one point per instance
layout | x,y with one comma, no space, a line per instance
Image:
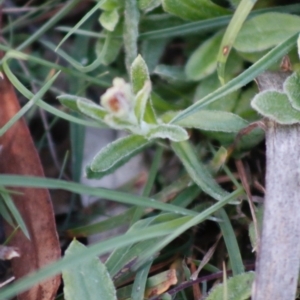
7,253
19,156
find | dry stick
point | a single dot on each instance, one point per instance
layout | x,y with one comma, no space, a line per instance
277,265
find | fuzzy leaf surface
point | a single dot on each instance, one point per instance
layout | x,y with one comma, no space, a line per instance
89,280
276,106
292,89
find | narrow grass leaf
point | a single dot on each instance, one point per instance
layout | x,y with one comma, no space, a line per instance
241,80
82,20
197,170
110,223
89,280
26,93
193,28
194,11
232,246
15,213
139,285
232,31
188,224
265,31
46,26
28,181
28,105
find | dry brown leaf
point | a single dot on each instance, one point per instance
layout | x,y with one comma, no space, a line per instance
19,156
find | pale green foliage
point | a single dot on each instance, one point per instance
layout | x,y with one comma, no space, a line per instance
276,106
292,89
282,107
109,19
148,5
203,61
266,31
238,288
121,149
193,10
88,280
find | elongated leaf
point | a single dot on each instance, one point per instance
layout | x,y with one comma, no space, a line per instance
197,170
89,280
105,246
131,31
193,28
242,79
276,106
148,5
141,101
123,148
192,10
28,105
30,181
212,120
266,31
232,246
188,224
229,37
168,131
139,74
291,87
108,50
238,288
15,213
203,60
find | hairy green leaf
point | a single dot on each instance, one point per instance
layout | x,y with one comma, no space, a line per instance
89,280
276,106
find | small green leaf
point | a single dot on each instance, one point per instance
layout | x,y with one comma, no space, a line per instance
120,150
111,4
84,106
88,280
197,170
238,288
276,106
91,110
203,60
108,50
266,31
130,31
139,74
194,10
213,120
236,22
167,131
148,5
141,101
291,87
170,73
109,19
